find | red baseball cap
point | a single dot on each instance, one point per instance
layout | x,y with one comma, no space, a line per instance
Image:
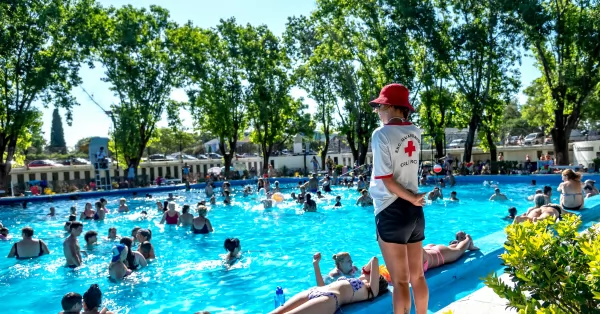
393,95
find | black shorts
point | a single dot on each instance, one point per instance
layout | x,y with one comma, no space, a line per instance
401,223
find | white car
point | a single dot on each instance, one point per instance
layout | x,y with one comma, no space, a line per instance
534,138
459,143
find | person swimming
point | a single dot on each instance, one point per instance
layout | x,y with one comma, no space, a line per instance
233,248
201,224
123,208
117,269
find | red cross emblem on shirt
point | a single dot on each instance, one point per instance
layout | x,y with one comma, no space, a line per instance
410,149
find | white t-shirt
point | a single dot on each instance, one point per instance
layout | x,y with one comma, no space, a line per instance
100,155
396,149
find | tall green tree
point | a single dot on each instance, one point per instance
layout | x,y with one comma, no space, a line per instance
42,45
436,109
313,73
475,42
83,145
171,140
371,48
563,35
217,95
57,134
140,55
275,117
537,105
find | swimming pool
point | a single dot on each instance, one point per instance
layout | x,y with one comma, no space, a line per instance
188,276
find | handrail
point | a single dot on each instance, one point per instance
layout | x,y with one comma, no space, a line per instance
343,174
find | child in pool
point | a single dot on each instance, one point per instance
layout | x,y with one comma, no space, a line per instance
123,208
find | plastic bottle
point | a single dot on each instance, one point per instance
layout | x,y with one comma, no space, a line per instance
279,297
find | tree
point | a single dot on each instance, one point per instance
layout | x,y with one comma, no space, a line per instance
217,95
276,117
515,122
314,74
57,134
435,112
171,140
83,145
42,44
31,139
536,110
563,36
477,45
140,56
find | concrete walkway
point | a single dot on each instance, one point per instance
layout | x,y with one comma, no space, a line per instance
484,300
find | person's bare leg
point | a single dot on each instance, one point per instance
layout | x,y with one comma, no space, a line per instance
417,277
396,261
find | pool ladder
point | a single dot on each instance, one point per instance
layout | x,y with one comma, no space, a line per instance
107,184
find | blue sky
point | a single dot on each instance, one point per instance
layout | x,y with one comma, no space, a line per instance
89,120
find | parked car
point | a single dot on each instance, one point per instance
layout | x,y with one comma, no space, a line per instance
249,155
592,135
202,157
75,161
514,140
179,156
458,143
159,157
534,138
214,156
577,136
43,163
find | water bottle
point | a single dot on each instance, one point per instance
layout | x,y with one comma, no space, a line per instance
279,297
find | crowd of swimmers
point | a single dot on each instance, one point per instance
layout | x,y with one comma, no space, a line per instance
345,283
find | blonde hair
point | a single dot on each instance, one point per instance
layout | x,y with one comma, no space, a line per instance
122,199
340,257
571,175
172,205
202,210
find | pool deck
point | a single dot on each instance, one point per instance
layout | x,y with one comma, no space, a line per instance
484,300
451,286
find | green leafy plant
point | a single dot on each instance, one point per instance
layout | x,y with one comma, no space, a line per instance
554,268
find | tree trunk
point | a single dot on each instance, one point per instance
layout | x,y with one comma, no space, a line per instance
363,150
439,147
266,154
5,177
325,150
493,152
561,145
352,145
473,124
227,157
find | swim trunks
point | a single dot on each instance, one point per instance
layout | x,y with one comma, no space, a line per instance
401,223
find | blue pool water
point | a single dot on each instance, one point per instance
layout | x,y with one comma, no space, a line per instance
188,274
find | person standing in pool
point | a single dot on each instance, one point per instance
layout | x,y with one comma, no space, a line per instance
71,247
399,218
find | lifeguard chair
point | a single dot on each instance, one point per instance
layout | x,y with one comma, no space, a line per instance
98,152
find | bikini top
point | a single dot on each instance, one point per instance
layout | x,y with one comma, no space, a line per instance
17,251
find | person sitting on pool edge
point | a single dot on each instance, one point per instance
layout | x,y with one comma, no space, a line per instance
309,204
437,255
571,197
497,196
328,299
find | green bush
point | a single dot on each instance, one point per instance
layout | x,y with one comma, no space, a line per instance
555,268
338,169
